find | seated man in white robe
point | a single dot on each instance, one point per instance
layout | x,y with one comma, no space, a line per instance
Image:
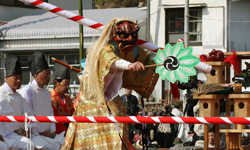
13,104
6,143
39,97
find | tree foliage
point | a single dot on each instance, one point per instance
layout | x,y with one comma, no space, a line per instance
100,4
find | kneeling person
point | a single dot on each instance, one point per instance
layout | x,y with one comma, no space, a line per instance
13,104
61,102
39,97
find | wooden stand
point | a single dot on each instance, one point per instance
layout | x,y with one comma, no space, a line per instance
210,107
237,89
241,106
233,138
209,104
241,109
220,73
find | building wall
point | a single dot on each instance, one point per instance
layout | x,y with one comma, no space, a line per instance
212,30
50,42
210,3
214,33
238,32
214,27
72,4
16,12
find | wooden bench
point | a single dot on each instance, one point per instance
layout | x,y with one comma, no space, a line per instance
233,138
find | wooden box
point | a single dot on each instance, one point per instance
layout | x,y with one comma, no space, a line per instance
209,105
220,73
241,106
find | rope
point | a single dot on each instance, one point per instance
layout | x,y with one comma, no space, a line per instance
27,125
129,119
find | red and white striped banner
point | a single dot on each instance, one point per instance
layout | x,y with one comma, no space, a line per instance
95,25
129,119
64,13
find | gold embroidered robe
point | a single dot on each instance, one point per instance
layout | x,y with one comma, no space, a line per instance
104,136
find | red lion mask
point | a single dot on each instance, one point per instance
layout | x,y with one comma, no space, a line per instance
126,35
214,55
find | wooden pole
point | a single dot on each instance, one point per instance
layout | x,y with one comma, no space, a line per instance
154,65
65,65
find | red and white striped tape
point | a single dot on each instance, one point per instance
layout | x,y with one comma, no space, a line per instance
180,40
64,13
95,25
82,20
129,119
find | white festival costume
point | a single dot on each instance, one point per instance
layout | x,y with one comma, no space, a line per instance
8,143
40,101
13,104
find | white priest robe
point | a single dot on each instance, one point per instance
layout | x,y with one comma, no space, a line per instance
8,143
40,100
13,104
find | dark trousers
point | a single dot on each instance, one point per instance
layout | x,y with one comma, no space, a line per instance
164,140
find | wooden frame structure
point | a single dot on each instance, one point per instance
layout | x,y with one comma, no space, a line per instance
209,104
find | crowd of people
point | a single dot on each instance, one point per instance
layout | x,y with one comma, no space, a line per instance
163,135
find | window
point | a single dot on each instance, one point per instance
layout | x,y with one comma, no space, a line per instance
2,75
73,60
25,70
17,3
175,26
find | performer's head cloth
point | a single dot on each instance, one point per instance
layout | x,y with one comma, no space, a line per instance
93,54
60,72
12,66
109,28
37,63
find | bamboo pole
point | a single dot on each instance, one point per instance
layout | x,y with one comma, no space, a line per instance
65,65
77,70
147,66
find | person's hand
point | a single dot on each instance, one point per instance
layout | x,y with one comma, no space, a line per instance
45,133
136,66
20,132
1,138
52,135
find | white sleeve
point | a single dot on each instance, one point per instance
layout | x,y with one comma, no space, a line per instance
35,126
39,129
26,93
1,130
196,108
120,64
7,110
52,125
